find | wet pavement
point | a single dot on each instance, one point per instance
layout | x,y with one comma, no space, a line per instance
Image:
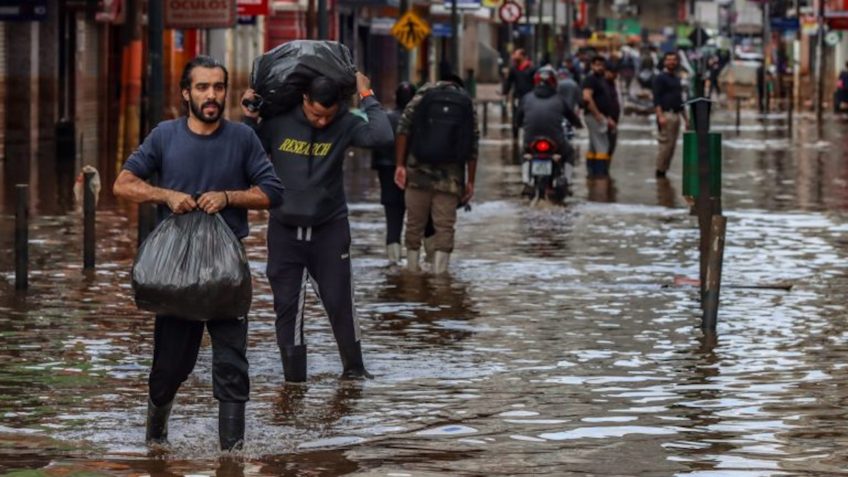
562,343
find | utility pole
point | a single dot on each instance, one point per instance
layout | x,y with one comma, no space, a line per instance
454,56
820,65
155,87
323,30
540,47
155,72
569,15
766,50
796,61
403,53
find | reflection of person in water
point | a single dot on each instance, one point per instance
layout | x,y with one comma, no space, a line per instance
436,297
601,189
290,407
665,193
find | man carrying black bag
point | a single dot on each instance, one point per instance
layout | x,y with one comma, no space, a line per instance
227,164
441,124
309,235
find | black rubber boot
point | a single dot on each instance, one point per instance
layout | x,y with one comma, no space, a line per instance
231,425
352,365
157,422
294,363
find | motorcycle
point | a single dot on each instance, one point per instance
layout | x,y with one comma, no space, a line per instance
544,172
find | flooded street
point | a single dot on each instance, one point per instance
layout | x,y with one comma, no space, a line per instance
564,342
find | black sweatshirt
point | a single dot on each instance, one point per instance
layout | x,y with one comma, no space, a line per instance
309,161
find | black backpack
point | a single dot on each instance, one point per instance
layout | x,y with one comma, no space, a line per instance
443,127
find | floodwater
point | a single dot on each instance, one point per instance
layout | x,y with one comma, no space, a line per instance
564,342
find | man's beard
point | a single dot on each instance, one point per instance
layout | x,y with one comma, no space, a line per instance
197,111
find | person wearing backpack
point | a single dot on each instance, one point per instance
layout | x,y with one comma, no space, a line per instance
391,196
309,234
436,163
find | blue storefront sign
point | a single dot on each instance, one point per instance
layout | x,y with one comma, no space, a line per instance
23,10
785,24
442,30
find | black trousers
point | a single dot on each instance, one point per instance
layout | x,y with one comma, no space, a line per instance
318,255
392,198
176,343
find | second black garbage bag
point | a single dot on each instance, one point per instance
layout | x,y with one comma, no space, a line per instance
192,266
281,75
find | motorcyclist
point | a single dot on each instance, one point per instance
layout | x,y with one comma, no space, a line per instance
541,111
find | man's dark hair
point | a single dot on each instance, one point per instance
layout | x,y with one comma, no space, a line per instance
204,62
324,91
452,78
404,94
599,59
669,53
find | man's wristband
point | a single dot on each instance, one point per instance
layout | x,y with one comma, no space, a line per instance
227,196
365,94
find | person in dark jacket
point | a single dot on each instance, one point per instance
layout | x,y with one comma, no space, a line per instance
224,161
391,196
542,110
670,110
520,82
840,96
309,235
598,116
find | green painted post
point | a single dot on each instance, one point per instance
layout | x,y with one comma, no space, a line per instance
691,184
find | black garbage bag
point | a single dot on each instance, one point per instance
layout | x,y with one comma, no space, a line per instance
192,266
281,76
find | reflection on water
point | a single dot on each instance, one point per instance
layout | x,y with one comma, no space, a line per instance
559,345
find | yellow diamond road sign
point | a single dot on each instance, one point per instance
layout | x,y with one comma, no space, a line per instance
410,30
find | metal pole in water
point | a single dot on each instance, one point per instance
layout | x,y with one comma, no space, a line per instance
21,236
714,266
485,118
789,112
88,223
738,113
704,204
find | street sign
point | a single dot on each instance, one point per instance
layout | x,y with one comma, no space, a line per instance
832,38
492,3
23,10
200,13
465,4
510,12
410,30
252,7
442,30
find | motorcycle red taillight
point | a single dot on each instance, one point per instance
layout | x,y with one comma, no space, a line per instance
542,146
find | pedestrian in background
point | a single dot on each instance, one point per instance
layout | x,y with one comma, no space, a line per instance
568,89
383,161
597,114
226,162
309,235
668,106
611,75
519,81
436,159
840,96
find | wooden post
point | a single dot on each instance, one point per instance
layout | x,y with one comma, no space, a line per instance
714,266
88,223
21,236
